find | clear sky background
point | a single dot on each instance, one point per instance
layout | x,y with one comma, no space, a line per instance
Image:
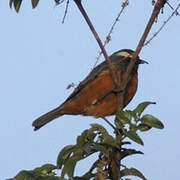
39,57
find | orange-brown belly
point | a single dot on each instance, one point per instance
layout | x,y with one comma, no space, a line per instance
87,101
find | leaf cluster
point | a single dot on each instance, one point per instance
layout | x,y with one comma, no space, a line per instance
44,172
17,3
130,122
97,139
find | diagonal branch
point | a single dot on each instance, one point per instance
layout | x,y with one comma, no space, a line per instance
159,4
162,26
111,66
66,10
108,37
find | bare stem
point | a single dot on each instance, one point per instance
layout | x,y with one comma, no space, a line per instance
110,124
162,26
111,66
159,4
66,10
108,37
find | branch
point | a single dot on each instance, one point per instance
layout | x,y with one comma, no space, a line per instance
114,165
109,123
111,66
175,12
159,4
66,10
108,37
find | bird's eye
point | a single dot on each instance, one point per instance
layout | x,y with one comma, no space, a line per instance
128,60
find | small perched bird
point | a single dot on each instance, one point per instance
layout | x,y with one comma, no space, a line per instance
94,96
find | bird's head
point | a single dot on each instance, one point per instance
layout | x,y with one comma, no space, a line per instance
124,57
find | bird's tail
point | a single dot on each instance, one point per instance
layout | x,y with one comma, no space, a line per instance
46,118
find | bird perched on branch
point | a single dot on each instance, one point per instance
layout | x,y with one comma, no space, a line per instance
95,95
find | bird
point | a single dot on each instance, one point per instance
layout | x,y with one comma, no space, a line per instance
94,96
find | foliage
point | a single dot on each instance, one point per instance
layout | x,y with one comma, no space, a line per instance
44,172
96,139
17,3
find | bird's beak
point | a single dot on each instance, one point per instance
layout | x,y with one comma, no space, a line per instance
140,61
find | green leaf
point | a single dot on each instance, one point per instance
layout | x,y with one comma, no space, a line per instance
143,127
17,4
100,128
134,136
109,140
152,121
70,164
64,155
127,152
118,124
91,135
123,117
34,3
130,114
32,175
132,172
105,138
82,139
25,175
133,127
57,1
68,168
101,148
10,3
45,169
141,107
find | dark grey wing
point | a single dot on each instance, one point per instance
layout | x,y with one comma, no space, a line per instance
92,75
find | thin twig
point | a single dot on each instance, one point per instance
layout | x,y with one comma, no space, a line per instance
123,166
162,26
110,65
169,5
66,10
177,13
70,85
110,124
108,37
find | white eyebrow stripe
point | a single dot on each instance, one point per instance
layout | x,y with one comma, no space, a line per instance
123,53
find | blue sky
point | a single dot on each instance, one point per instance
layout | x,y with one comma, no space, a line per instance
40,57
